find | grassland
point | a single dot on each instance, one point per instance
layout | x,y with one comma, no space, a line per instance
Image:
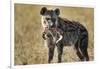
29,46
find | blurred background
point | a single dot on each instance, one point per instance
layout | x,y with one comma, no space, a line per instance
30,47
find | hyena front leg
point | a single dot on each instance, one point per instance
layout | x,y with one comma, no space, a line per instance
50,54
60,51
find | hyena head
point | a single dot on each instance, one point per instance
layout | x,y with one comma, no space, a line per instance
49,17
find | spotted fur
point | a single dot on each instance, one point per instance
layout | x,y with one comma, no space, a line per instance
74,34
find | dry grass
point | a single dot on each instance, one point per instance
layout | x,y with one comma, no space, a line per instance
29,45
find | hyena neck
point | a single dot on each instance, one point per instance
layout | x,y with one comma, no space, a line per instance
61,21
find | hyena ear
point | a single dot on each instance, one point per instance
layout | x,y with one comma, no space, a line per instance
57,11
43,10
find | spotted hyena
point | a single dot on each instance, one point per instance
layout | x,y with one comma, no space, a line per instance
60,32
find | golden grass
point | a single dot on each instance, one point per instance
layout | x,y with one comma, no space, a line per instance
29,46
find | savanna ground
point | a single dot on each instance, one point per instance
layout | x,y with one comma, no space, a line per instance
29,46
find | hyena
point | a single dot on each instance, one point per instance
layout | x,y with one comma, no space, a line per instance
66,32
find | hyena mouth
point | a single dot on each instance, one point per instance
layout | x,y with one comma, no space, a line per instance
52,25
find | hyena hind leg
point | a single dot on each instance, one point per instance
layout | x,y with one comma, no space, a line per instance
79,54
83,48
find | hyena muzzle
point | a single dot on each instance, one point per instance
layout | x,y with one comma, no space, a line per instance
74,34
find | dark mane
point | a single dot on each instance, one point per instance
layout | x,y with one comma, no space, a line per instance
68,25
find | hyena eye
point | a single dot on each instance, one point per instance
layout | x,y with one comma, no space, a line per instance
48,18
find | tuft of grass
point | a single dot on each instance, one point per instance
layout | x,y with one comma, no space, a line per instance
29,46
